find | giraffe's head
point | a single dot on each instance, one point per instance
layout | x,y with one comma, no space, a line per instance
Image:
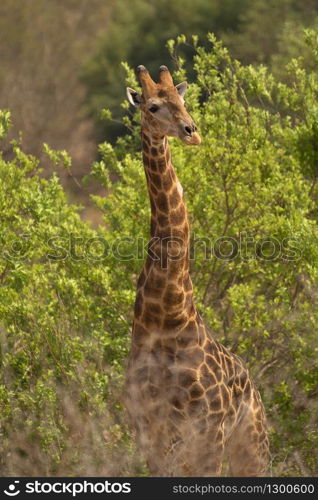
162,106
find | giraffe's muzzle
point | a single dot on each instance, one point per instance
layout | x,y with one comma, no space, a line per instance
192,140
189,134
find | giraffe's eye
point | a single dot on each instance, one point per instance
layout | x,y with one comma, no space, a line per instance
153,108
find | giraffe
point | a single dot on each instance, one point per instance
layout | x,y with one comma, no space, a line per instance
191,401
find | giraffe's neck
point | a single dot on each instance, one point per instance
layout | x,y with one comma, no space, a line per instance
164,290
169,218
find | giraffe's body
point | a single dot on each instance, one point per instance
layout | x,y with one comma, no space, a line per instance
190,400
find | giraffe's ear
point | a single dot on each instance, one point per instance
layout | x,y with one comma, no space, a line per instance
182,88
133,97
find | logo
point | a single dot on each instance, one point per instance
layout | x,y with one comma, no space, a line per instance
12,489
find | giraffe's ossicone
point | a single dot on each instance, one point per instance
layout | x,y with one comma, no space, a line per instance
190,400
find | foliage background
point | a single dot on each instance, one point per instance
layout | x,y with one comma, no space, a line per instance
67,295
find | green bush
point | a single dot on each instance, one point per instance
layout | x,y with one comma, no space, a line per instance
68,291
251,191
63,334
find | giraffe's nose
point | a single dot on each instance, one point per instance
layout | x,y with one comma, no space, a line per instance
188,133
189,129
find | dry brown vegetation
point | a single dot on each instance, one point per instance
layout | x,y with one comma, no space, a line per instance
42,49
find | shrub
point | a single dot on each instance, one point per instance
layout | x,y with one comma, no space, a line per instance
63,334
251,193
